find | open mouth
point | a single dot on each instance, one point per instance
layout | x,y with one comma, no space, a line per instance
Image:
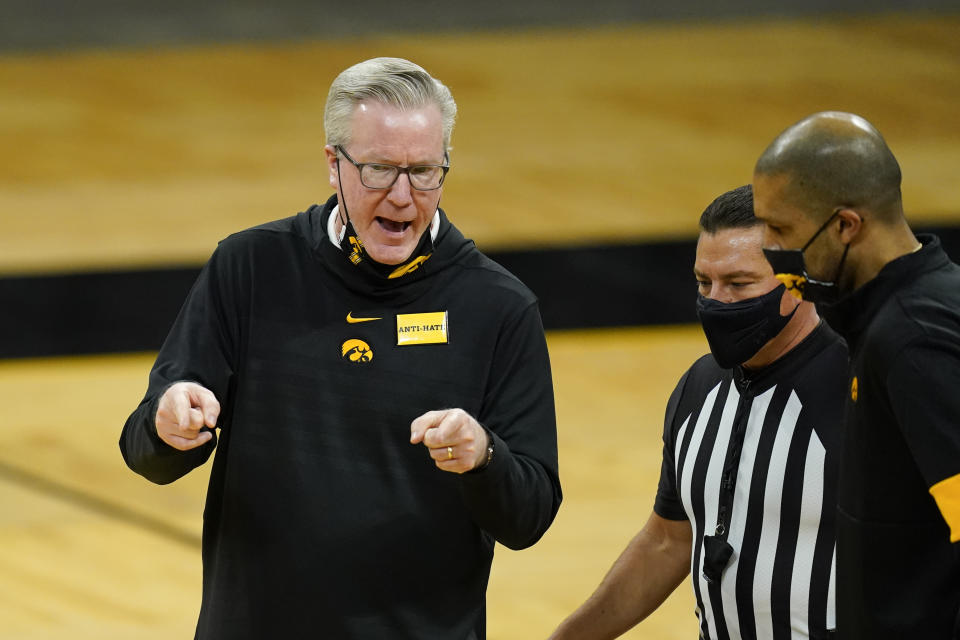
392,226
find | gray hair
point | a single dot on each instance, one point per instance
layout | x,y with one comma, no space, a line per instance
392,81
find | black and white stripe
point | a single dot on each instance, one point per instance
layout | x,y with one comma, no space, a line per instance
779,583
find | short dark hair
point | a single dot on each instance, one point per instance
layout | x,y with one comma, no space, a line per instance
732,210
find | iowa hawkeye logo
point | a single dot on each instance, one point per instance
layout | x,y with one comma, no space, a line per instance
356,351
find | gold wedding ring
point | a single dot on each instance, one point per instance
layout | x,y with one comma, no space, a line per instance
449,453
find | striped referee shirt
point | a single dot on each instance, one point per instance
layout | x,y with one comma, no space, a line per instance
749,458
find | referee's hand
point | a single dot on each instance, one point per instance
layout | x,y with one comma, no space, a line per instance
182,413
456,441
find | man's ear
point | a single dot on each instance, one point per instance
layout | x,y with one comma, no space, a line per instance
851,223
331,156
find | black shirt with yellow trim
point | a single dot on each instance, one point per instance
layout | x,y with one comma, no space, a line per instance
898,567
321,519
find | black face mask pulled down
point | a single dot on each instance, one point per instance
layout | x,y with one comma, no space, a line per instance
790,269
736,331
352,247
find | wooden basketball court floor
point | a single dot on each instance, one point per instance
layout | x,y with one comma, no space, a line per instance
147,157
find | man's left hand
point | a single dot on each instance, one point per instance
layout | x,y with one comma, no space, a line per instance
456,441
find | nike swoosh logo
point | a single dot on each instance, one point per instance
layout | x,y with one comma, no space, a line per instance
353,320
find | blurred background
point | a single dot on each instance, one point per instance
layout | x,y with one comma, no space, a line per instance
134,136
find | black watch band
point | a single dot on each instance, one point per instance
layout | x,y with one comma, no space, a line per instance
486,462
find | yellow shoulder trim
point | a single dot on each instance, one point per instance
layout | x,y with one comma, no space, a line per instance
947,495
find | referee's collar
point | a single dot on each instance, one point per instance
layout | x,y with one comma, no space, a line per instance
817,340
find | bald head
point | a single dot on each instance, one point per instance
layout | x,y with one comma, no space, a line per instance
834,159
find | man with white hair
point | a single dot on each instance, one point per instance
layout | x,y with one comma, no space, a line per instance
381,389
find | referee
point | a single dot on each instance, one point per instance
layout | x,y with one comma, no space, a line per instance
746,500
829,190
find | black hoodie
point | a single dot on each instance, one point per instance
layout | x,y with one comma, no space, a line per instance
322,520
898,567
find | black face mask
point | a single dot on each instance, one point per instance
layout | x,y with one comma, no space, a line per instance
736,331
790,269
353,248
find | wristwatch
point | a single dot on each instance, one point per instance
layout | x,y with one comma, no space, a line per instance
486,462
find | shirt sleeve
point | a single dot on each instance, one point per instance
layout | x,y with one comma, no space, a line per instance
516,497
667,503
199,348
922,384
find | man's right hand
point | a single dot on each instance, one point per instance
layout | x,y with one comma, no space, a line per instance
184,410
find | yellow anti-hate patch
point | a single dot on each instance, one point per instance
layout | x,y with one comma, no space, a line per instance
422,328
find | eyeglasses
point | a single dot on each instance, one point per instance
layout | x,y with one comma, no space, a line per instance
376,175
